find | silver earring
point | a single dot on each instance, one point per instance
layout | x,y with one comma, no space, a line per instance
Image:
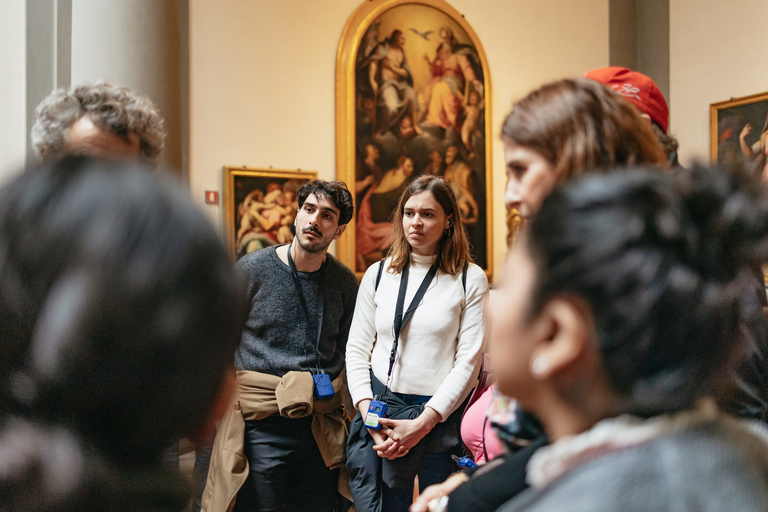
539,365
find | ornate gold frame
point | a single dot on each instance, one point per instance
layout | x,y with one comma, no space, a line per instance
714,110
351,36
231,174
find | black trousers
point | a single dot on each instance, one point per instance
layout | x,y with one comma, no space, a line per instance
287,472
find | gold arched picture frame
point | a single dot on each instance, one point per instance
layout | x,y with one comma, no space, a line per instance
412,83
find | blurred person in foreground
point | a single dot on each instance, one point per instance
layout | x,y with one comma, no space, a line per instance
556,133
749,395
119,313
617,340
98,119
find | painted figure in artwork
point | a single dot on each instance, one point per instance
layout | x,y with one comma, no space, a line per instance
391,82
266,219
757,152
459,176
374,226
452,69
417,116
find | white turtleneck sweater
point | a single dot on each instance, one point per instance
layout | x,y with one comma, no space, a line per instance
439,351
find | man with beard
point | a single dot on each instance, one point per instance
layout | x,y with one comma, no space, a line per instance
282,440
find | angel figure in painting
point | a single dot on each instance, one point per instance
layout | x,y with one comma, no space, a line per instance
472,110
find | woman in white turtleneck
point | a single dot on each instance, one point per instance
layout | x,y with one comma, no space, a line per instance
437,356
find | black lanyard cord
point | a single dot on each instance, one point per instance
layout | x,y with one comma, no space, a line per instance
402,320
320,299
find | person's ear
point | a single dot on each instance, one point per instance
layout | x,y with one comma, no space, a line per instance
339,231
448,221
564,329
647,118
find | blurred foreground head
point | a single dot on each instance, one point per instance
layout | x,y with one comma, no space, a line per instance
119,316
626,293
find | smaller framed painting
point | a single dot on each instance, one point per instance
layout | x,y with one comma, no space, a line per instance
260,206
738,132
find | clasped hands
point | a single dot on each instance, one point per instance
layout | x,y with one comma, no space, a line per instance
395,438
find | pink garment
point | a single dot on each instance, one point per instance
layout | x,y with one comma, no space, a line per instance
472,429
371,236
445,92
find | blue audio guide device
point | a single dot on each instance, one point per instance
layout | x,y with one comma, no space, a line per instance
323,386
376,410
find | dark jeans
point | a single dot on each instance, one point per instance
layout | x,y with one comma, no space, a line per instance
435,469
287,472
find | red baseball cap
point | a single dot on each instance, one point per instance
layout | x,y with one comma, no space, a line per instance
637,88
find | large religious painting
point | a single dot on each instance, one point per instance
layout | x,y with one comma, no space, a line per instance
260,207
412,88
739,133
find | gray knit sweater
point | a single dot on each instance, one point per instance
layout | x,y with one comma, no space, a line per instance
276,338
707,468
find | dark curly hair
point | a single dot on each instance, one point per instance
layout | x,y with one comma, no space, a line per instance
336,191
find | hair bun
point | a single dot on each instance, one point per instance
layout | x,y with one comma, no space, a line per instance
724,221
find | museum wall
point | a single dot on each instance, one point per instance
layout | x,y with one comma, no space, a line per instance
262,79
13,130
715,49
136,44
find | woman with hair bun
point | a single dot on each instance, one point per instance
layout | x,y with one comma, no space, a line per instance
558,132
414,346
616,339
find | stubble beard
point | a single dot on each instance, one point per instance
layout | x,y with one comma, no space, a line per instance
313,247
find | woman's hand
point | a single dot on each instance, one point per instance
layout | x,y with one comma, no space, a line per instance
385,440
437,491
409,432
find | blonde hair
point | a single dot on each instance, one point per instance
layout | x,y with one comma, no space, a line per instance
453,247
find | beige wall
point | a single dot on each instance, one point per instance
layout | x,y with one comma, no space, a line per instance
262,78
715,54
135,44
12,88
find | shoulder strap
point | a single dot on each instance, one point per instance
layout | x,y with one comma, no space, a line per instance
378,275
463,276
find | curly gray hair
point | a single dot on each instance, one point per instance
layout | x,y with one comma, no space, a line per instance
110,107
